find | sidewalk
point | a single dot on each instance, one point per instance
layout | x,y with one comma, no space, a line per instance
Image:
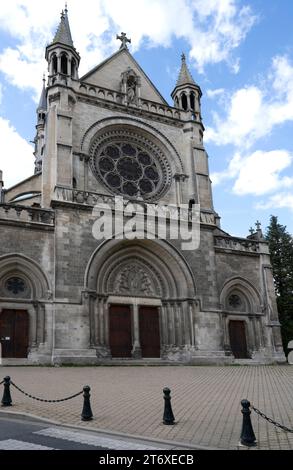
129,400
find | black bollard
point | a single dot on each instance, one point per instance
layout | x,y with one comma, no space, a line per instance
86,414
247,437
6,400
168,417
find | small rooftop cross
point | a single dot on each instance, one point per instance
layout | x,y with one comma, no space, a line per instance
251,231
124,40
258,225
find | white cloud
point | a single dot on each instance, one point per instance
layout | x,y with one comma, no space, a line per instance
253,111
215,93
278,201
1,93
212,28
225,27
16,156
257,173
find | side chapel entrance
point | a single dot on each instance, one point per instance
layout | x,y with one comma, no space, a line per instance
14,333
238,339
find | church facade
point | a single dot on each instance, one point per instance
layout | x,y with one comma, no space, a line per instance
67,296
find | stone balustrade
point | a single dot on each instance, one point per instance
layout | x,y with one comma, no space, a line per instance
143,104
25,214
88,198
236,244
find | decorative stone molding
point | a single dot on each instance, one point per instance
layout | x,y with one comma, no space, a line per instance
22,267
135,277
236,244
148,106
136,125
27,214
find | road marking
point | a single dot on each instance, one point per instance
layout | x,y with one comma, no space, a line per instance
90,440
12,444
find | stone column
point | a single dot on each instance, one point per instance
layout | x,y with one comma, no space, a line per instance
256,336
92,326
69,66
34,325
178,192
59,63
136,349
226,339
164,323
106,323
260,332
41,324
170,324
191,324
250,335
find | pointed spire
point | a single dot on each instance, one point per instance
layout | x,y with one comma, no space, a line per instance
43,100
184,74
63,33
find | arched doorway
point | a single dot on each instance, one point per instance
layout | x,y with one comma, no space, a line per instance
14,333
140,307
24,291
238,341
243,332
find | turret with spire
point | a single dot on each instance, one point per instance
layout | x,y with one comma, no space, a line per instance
187,93
57,152
61,55
40,135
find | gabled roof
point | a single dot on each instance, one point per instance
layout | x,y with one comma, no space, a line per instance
108,75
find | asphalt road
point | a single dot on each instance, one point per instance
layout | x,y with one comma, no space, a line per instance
23,431
18,433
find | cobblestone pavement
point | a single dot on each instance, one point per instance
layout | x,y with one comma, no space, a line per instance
205,400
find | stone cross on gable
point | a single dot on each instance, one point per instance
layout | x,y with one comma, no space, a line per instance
251,231
124,40
258,225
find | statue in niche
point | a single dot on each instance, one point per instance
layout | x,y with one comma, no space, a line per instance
131,89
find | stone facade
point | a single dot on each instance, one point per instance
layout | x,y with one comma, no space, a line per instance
96,136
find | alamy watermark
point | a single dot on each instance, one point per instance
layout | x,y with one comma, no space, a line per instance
127,220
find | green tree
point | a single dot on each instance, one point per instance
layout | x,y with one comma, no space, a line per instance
281,249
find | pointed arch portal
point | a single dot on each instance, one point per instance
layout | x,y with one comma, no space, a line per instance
142,287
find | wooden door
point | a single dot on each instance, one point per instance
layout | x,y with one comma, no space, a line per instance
120,330
149,331
14,326
238,339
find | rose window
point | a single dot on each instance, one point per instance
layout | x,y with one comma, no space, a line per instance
130,168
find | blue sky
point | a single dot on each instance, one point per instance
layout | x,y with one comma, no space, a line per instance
239,51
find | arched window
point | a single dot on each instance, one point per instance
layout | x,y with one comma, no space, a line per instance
54,64
74,183
184,101
64,64
192,100
73,68
176,103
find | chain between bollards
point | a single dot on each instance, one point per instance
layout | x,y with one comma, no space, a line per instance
86,414
6,399
168,417
247,437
